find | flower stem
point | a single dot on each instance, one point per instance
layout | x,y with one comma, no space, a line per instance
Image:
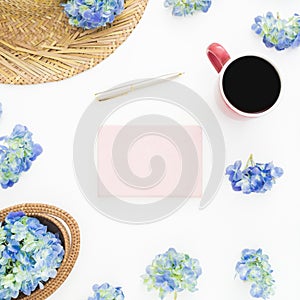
250,161
175,296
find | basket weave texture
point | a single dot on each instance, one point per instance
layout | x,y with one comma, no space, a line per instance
38,45
57,221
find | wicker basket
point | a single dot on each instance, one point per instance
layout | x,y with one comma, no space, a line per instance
38,45
58,221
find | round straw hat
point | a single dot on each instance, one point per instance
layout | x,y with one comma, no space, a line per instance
38,45
57,221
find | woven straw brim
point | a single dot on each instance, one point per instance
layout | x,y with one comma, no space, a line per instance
38,45
57,221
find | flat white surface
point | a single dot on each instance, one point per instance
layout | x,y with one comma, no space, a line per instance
119,253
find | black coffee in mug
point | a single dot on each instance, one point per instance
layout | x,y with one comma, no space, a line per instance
251,84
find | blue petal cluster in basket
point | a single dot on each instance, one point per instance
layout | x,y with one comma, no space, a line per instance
29,255
90,14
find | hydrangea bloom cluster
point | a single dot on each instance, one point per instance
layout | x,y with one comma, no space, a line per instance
187,7
90,14
17,152
278,33
29,255
255,268
172,272
255,178
107,292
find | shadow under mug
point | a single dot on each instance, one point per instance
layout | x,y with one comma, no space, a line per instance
250,85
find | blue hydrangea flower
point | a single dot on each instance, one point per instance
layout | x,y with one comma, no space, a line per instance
187,7
17,152
171,273
254,267
90,14
30,255
276,32
13,217
107,292
255,178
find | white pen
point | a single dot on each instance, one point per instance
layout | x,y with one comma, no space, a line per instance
125,89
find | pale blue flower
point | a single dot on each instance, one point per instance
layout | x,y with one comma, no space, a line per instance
187,7
2,235
255,178
107,292
276,32
234,171
254,267
256,291
90,14
172,272
17,153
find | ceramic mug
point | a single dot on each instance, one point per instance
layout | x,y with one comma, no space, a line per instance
250,84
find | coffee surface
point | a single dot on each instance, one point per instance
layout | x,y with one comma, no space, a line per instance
251,84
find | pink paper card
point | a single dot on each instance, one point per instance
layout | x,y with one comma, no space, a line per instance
145,180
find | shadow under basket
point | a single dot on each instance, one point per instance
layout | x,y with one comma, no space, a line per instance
57,221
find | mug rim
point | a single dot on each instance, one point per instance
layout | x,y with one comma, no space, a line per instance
236,110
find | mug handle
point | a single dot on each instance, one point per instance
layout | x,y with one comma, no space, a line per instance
217,55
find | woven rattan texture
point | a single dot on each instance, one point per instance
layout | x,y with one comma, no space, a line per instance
68,229
38,45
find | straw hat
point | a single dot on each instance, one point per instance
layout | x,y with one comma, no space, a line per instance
38,45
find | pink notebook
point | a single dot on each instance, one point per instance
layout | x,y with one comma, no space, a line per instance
141,150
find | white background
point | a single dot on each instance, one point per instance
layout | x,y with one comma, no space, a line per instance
119,253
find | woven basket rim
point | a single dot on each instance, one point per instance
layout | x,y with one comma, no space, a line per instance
41,46
68,228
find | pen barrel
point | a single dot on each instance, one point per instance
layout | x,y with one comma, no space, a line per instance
125,89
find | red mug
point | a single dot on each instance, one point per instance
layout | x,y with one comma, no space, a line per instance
250,84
